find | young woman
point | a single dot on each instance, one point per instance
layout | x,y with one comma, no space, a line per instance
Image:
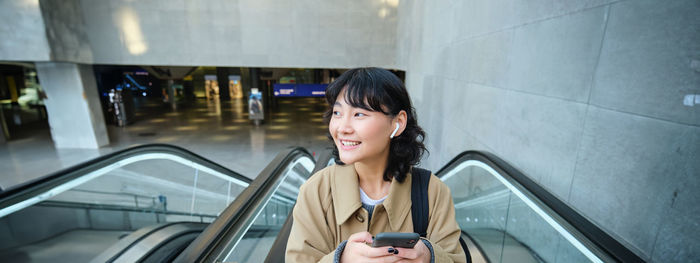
377,140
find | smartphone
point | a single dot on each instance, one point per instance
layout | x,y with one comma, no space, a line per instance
394,239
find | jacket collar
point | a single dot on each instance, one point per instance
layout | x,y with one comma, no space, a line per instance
346,193
346,196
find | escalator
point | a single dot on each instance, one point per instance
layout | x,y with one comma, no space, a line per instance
510,218
249,228
160,203
143,201
504,217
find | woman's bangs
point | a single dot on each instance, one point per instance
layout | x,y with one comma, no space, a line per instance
364,94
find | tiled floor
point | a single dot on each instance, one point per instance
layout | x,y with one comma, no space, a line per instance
219,131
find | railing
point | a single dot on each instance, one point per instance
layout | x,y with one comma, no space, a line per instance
244,220
130,195
144,159
171,183
162,211
512,218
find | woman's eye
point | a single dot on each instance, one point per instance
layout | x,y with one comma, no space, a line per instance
359,114
336,113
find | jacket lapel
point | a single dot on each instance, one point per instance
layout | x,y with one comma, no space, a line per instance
398,204
346,192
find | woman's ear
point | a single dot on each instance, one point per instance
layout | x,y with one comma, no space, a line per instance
395,131
401,120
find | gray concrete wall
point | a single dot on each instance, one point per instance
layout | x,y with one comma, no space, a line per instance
585,97
250,33
66,31
22,32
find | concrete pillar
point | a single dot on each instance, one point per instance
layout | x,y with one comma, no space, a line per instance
245,82
171,94
73,105
4,132
222,77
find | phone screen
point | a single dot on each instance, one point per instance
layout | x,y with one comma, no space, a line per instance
395,239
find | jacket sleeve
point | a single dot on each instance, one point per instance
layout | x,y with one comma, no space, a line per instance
443,230
310,239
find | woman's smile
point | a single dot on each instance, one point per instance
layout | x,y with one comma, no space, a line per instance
347,145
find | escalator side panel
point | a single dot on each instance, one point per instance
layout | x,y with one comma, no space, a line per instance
163,238
279,247
474,250
491,195
216,242
118,192
126,242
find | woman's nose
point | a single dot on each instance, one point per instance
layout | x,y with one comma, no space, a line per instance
344,126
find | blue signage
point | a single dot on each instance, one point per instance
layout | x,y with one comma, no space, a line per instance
300,90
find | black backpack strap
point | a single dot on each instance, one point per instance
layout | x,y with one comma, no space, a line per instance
419,200
420,209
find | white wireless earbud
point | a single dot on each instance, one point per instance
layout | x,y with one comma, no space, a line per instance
394,132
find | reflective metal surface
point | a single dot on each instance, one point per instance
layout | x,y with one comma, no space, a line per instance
90,206
253,244
508,223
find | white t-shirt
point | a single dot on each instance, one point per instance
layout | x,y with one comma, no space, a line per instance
369,201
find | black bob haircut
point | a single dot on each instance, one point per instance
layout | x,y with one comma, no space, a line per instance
379,90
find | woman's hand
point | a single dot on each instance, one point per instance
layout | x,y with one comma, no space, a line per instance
357,250
418,254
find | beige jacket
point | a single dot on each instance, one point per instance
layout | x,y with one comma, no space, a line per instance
329,210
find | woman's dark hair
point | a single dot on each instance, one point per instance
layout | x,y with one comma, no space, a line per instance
379,90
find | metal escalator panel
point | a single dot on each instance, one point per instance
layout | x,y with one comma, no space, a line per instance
279,247
162,245
325,159
508,222
111,196
155,243
124,243
254,243
246,231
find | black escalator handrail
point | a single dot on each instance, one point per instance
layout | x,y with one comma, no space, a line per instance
279,246
591,231
34,187
211,242
323,158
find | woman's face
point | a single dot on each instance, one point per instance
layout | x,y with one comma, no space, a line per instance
360,135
